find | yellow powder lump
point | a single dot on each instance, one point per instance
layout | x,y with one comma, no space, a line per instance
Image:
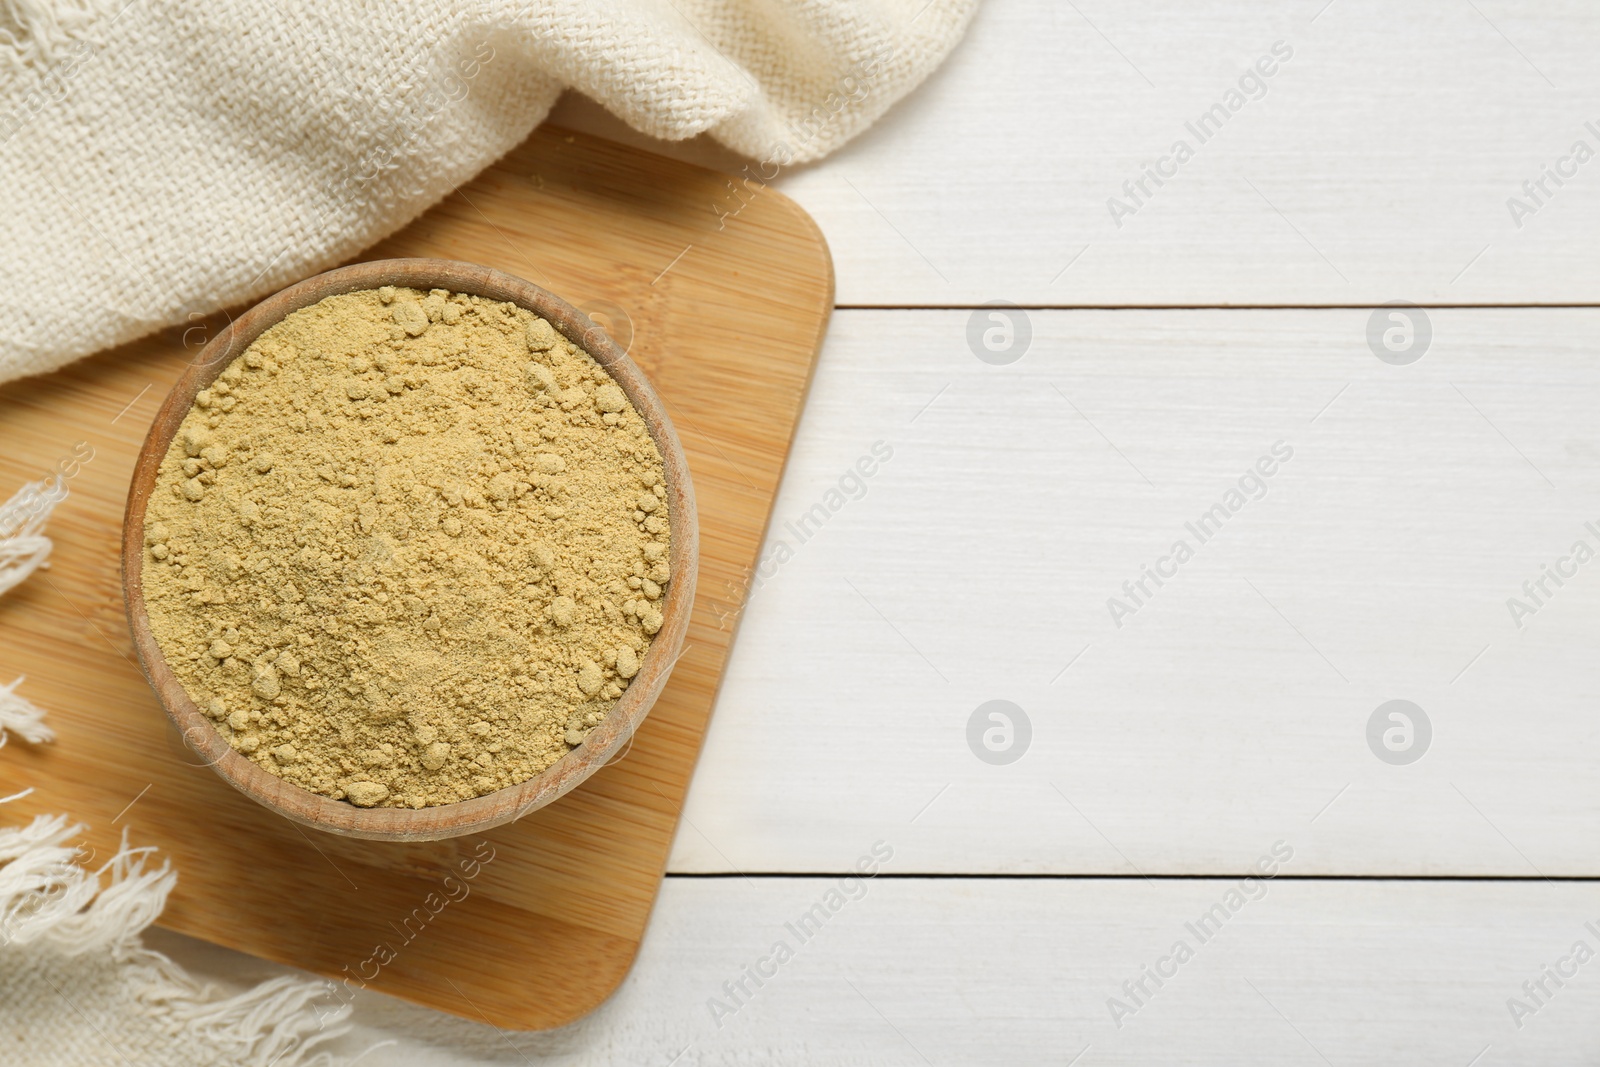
409,548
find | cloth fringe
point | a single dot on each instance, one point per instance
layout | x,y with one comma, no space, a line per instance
33,32
23,550
23,545
20,716
48,901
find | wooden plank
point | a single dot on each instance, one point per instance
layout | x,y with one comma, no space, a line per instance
1234,706
973,971
1372,169
548,926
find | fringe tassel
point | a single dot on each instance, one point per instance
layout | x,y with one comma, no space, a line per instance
20,716
282,1022
46,898
23,550
41,887
23,545
32,32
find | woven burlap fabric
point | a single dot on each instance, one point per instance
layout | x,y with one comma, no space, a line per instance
160,159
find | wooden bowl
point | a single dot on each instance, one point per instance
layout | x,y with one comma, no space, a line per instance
501,806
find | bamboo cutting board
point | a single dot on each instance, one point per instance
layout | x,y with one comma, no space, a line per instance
531,925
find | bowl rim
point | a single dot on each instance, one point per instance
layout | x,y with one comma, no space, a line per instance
510,802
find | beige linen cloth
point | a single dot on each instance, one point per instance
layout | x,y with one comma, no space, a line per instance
159,160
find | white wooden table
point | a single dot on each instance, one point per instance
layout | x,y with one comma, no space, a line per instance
1428,866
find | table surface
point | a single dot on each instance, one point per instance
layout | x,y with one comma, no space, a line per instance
1181,722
